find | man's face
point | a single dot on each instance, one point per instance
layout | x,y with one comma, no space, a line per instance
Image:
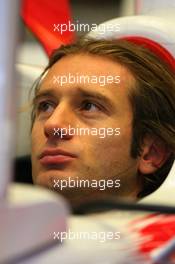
93,106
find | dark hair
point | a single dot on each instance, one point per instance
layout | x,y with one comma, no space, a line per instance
152,96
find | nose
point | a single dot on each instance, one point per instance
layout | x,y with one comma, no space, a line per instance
57,126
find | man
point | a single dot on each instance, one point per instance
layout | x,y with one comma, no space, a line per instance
112,86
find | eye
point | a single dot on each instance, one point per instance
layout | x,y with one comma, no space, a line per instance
89,106
45,107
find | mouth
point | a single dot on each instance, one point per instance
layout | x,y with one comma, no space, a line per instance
55,157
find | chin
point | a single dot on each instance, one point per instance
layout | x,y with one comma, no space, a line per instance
44,179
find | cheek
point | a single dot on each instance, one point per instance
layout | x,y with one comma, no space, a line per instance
125,139
110,152
33,136
115,144
36,136
100,149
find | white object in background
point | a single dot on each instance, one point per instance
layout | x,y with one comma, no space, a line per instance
157,29
28,222
27,76
155,7
8,31
32,54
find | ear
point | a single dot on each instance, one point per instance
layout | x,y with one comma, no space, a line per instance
154,155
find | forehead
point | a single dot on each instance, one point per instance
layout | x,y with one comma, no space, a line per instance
89,65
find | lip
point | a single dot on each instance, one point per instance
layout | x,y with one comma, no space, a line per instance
55,156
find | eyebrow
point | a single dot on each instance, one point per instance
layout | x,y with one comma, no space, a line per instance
96,95
81,92
47,93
